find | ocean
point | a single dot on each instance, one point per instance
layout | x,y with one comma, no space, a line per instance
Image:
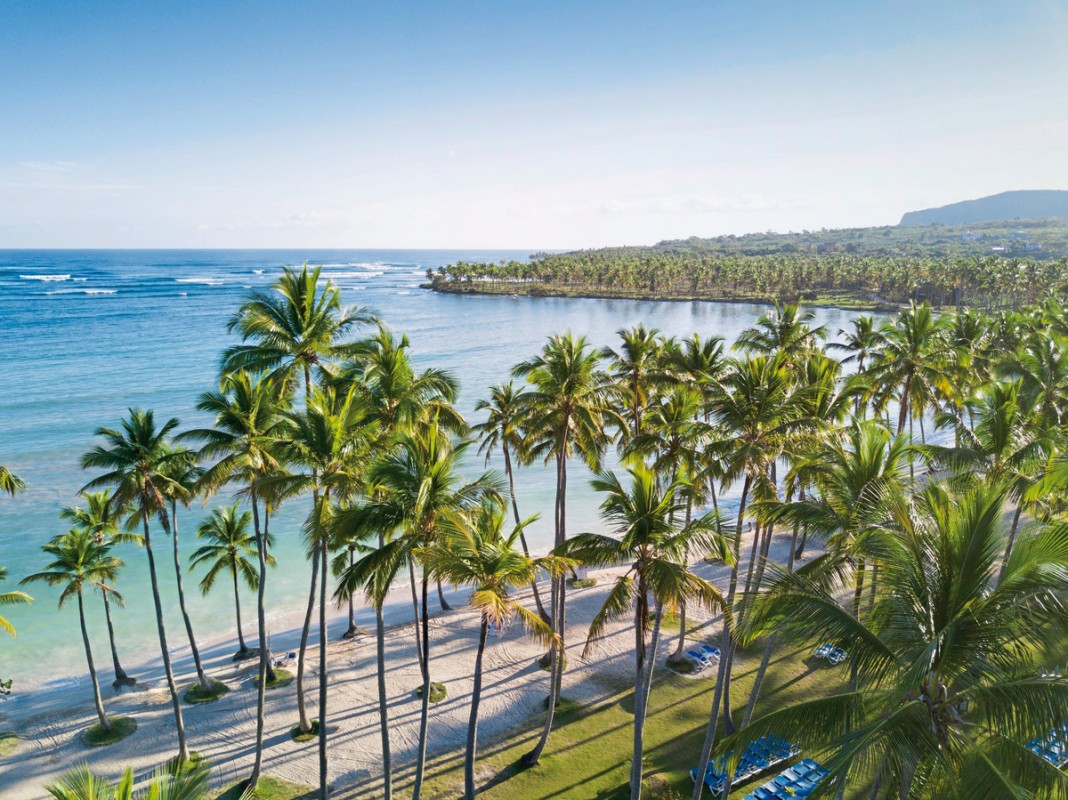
88,334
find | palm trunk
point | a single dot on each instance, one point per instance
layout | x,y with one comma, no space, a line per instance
323,641
472,725
201,677
242,649
105,723
531,758
681,648
859,591
561,622
518,520
265,656
262,609
644,663
302,711
383,708
1011,542
183,750
412,583
121,678
727,648
424,719
710,731
352,631
441,598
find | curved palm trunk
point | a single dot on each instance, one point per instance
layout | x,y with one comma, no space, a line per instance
265,656
242,650
302,709
183,750
441,599
522,536
531,758
727,648
413,584
121,678
644,662
472,725
105,723
424,666
353,630
1011,542
201,677
681,647
323,640
383,708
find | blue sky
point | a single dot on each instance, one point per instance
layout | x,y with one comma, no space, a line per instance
506,124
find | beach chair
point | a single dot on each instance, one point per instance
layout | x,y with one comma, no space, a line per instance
700,660
837,656
823,651
710,651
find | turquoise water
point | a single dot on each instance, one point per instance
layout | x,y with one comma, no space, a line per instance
88,334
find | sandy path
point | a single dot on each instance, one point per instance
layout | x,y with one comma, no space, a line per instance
513,690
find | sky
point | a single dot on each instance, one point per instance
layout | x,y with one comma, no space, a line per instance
501,124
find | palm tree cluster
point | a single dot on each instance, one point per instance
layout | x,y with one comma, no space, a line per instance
946,611
983,281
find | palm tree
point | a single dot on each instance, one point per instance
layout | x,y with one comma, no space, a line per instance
504,428
862,343
415,490
102,521
190,783
246,411
568,413
184,476
786,330
331,440
10,599
297,325
481,553
946,691
637,369
136,458
646,539
228,550
10,483
78,562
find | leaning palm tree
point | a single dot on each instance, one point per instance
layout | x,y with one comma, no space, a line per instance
568,413
79,563
946,691
230,548
10,483
247,415
298,325
503,428
102,520
10,599
481,553
645,538
135,458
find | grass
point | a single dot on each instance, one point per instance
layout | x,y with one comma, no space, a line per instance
438,692
97,736
581,583
282,677
197,694
305,736
601,735
9,742
173,765
272,789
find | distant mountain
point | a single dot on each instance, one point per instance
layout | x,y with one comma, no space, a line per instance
1037,204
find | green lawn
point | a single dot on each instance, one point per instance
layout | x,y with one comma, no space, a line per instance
589,752
272,789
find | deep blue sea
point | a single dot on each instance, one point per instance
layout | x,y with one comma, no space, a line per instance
88,334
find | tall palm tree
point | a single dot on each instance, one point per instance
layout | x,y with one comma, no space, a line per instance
136,459
481,553
568,412
416,491
656,550
638,370
330,440
785,330
503,428
102,520
228,549
298,325
246,413
946,690
11,599
78,563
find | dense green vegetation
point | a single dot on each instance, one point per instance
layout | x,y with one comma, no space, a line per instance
943,566
987,265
